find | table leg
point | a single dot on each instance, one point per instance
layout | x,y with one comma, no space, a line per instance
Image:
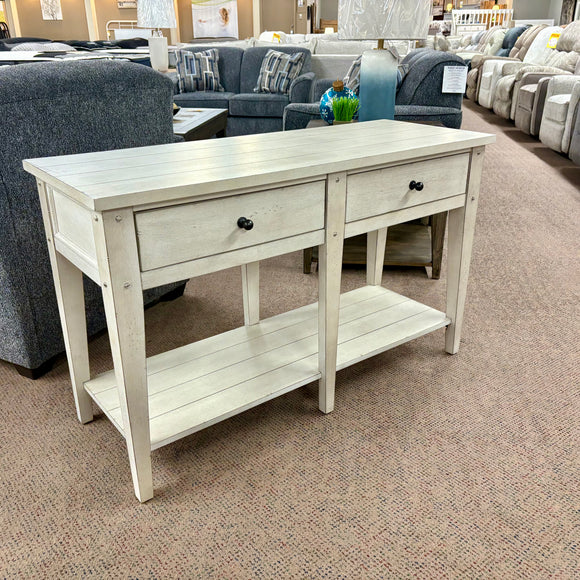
438,224
251,292
123,297
329,275
460,242
68,283
376,243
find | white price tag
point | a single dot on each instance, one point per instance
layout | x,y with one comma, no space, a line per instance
454,79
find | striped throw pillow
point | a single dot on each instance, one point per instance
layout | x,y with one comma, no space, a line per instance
278,70
198,71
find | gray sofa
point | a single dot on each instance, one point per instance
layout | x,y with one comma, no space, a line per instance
249,112
419,97
60,108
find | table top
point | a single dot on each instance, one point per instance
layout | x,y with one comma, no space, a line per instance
187,119
162,173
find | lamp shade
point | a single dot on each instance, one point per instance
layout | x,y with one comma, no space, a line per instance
156,14
383,19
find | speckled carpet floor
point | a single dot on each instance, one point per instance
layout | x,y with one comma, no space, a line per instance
431,466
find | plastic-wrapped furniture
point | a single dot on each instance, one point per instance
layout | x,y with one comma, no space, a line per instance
419,97
509,41
249,112
61,108
562,59
560,112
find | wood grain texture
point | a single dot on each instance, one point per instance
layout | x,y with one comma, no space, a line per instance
181,170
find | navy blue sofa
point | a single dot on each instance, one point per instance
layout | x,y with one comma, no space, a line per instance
249,112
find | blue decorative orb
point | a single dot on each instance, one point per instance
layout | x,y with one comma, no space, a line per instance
326,100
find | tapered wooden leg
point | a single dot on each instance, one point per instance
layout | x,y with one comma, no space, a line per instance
376,243
251,292
123,298
460,242
329,275
438,225
68,283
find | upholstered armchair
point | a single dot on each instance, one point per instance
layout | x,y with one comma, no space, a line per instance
50,109
560,112
419,98
563,59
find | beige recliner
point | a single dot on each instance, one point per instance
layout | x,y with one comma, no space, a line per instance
481,82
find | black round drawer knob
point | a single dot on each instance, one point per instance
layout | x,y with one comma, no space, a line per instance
245,223
418,185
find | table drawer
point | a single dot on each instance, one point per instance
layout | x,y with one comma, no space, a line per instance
186,232
381,191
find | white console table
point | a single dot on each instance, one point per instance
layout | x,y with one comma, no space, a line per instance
138,218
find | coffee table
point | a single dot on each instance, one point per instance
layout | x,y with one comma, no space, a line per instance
197,124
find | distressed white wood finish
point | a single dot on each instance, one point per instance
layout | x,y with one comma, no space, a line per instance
140,176
117,255
169,212
385,190
459,244
376,244
74,223
186,232
329,273
68,283
200,384
251,292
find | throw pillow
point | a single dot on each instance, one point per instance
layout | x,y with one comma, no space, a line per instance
198,71
278,70
352,78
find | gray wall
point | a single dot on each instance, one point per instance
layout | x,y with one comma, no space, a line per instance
555,10
533,9
328,9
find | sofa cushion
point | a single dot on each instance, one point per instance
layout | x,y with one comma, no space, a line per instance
252,63
539,51
258,105
277,72
198,71
564,60
204,99
230,59
569,37
344,46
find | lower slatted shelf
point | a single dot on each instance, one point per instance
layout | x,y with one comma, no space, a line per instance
200,384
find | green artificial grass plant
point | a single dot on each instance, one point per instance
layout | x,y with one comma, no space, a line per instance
344,108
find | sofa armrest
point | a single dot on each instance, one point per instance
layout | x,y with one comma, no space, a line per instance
562,84
319,88
478,59
538,69
301,88
533,78
174,77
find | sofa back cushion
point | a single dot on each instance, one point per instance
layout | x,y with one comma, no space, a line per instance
252,62
570,37
523,42
538,52
229,64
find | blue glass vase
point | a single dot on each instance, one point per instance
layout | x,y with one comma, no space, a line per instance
378,85
337,91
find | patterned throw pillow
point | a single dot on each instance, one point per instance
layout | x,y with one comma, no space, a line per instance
352,78
278,70
198,71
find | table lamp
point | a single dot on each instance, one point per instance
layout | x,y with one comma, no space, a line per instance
157,14
381,20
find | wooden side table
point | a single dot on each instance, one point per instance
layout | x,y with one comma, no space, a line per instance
137,218
198,124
